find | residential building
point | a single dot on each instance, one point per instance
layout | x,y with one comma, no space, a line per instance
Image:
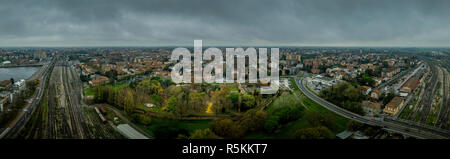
376,94
366,90
394,106
371,108
5,84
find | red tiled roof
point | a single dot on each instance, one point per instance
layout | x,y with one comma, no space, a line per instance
5,83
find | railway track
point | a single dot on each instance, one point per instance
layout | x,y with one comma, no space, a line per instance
429,94
61,114
443,115
423,108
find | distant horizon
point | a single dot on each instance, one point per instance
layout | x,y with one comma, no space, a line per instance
191,46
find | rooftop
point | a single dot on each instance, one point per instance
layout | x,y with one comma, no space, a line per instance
410,85
371,104
345,134
5,82
395,102
129,132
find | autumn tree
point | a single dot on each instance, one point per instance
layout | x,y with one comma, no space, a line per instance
228,129
204,134
248,101
128,100
196,101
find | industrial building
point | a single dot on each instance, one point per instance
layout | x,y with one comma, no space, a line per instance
129,132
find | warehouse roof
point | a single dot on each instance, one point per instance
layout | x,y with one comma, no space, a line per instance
129,132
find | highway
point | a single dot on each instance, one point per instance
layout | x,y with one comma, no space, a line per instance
409,129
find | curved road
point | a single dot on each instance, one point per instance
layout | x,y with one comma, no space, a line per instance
392,125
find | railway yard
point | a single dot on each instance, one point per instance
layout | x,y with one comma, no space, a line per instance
430,106
61,114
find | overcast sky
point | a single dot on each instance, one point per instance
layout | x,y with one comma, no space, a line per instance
228,22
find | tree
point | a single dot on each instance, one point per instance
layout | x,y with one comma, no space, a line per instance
204,134
271,124
145,119
168,130
317,119
235,99
253,120
320,132
156,87
366,80
388,98
228,129
195,101
248,101
128,103
156,99
344,95
112,74
172,104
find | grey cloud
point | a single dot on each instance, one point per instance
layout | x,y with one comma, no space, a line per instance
231,22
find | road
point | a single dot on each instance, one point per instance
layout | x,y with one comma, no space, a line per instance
25,115
409,129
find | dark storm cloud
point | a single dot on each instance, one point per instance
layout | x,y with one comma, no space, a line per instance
168,22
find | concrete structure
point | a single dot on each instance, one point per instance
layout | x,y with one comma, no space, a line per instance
6,62
344,135
6,94
285,83
2,103
4,98
20,85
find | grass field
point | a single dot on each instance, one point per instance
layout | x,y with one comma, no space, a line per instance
188,125
290,128
91,91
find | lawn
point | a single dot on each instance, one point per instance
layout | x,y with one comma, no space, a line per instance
156,109
120,86
188,125
89,92
290,128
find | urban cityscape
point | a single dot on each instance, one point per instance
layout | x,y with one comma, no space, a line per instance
105,70
329,93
